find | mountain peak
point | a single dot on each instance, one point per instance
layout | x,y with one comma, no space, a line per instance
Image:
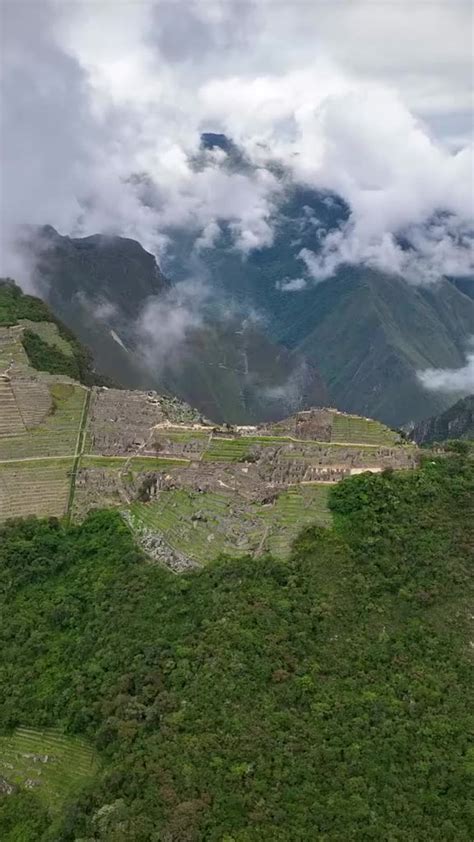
213,140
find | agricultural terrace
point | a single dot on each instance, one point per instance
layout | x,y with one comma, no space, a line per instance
55,766
200,489
39,487
49,333
351,429
61,406
203,526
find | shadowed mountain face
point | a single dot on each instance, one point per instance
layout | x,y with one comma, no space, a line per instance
98,270
104,288
457,422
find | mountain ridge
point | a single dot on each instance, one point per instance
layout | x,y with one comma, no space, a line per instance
457,422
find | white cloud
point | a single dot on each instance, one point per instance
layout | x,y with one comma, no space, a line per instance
291,284
92,97
450,380
167,320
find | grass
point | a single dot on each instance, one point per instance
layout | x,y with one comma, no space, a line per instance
200,539
293,510
181,436
57,434
55,766
204,526
226,450
34,464
48,332
11,348
35,488
352,428
134,463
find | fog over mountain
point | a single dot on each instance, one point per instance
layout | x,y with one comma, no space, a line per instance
130,93
364,105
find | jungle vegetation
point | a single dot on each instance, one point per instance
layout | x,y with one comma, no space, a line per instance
324,698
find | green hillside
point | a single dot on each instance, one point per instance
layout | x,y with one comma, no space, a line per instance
326,697
49,345
371,333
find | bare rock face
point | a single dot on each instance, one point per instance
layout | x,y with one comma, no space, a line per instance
456,423
6,788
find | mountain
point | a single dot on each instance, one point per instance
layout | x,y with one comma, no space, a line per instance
457,422
371,333
367,332
465,285
222,362
356,340
248,631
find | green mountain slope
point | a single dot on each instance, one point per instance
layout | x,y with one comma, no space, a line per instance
457,422
327,697
49,344
371,333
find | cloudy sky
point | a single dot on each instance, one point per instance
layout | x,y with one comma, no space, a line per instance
368,98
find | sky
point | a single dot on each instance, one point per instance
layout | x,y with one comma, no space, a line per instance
370,99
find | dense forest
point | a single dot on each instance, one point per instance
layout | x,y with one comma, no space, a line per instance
325,698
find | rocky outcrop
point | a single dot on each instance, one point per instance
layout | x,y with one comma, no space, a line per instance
456,423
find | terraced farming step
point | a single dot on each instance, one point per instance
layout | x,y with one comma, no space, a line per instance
201,527
34,488
52,764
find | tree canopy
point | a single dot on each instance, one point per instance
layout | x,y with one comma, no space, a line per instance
323,698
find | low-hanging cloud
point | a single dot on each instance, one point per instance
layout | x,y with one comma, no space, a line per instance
450,380
101,134
167,320
291,284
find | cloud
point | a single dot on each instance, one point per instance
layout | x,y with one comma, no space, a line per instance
450,380
428,252
291,284
290,393
102,115
167,320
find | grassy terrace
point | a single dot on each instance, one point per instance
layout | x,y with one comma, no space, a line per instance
232,450
351,428
174,434
203,526
293,510
57,435
172,515
35,487
52,764
135,463
48,332
11,348
226,450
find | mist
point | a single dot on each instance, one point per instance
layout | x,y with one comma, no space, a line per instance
88,119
